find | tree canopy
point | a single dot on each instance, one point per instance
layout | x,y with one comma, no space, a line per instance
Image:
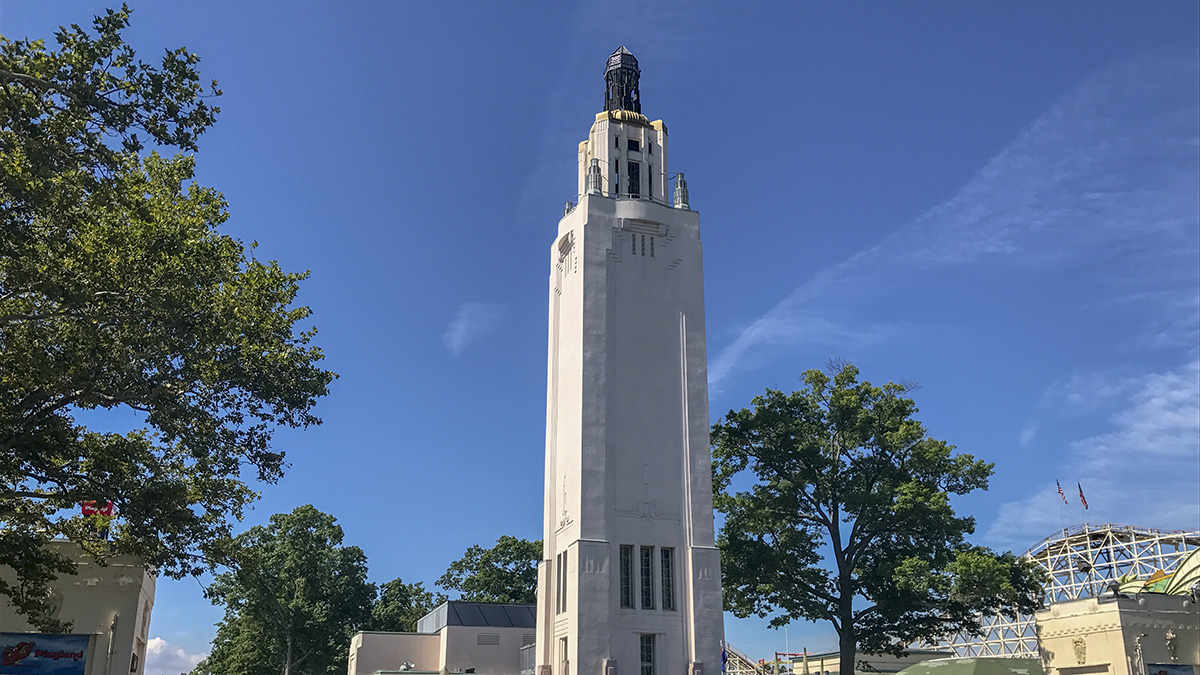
399,606
118,292
507,572
837,508
293,598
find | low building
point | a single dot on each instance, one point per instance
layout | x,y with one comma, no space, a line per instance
829,663
457,636
1141,634
109,610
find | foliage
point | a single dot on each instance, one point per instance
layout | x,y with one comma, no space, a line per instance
293,598
507,572
846,502
400,605
117,292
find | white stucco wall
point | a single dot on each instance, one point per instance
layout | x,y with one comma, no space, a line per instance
372,651
111,603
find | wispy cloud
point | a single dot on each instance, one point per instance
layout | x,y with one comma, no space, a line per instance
474,320
1027,435
1144,470
163,658
1110,169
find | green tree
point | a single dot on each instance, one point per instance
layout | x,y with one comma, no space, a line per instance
837,508
293,598
117,292
400,605
507,572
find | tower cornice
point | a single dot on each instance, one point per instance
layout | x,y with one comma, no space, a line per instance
625,116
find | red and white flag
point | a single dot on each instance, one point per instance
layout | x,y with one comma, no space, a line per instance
1062,494
89,508
1082,499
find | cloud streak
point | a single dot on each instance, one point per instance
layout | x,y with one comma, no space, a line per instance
1144,470
1110,167
473,321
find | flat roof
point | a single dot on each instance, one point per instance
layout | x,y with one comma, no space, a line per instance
490,614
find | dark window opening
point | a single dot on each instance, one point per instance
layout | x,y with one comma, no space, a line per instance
647,577
635,179
667,578
635,145
627,576
647,654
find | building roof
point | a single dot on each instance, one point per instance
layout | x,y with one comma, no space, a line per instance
492,614
976,666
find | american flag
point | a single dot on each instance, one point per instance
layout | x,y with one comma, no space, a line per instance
1063,494
1082,499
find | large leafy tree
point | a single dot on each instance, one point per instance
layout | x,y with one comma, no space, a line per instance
506,572
117,292
837,508
293,598
400,605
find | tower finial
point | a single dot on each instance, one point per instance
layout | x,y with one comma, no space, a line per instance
621,82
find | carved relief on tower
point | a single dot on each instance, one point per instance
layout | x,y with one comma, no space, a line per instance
646,504
564,518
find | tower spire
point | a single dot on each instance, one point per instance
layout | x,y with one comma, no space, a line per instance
621,82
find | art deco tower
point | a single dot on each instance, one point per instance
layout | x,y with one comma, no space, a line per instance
630,580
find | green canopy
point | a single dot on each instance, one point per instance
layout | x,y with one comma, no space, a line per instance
993,665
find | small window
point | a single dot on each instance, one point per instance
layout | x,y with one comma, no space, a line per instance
667,555
635,179
650,148
647,654
616,141
647,577
635,145
651,247
627,576
650,182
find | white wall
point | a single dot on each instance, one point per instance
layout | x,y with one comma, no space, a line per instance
372,651
92,599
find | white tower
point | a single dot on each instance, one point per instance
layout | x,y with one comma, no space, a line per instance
630,581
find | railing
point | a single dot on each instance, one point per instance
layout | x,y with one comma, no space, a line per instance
528,659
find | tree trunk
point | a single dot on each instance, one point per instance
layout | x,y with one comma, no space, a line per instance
287,662
846,647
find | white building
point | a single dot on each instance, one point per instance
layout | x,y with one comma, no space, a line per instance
109,608
457,636
631,579
1141,634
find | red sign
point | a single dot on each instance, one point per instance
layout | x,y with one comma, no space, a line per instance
89,508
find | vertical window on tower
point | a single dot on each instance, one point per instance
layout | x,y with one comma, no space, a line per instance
635,179
626,576
650,182
647,654
560,589
647,577
635,145
667,577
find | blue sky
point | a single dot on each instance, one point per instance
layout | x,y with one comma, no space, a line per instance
996,201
